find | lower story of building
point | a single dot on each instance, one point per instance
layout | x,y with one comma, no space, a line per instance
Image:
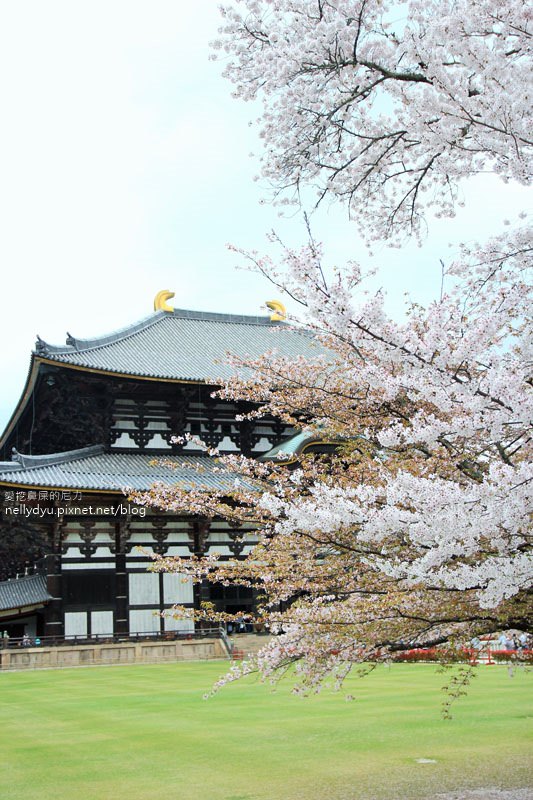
98,578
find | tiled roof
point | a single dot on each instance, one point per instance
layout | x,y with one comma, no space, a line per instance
183,345
291,447
91,468
23,592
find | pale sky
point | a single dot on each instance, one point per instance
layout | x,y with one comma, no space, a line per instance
125,169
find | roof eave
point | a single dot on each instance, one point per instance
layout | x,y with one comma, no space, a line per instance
58,488
133,375
31,379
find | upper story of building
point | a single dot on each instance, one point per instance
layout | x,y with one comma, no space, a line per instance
134,390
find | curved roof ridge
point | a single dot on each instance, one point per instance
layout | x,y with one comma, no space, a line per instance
218,316
75,345
22,461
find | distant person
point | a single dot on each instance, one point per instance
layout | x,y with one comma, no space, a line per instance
26,641
5,639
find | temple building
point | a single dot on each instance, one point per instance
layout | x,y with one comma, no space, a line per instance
93,419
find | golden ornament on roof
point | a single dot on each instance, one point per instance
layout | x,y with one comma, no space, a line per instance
160,300
280,312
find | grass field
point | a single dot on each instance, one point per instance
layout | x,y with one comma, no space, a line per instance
144,733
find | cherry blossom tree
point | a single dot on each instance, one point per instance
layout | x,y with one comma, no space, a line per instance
416,529
385,105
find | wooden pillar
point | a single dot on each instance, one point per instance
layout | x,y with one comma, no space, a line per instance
53,616
201,591
121,625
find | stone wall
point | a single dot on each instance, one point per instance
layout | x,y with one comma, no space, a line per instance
117,653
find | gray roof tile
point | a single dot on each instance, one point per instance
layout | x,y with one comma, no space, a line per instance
184,345
91,468
23,592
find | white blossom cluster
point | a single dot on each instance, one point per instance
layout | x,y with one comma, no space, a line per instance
402,100
456,380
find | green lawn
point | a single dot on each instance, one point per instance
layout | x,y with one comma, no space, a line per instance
144,733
